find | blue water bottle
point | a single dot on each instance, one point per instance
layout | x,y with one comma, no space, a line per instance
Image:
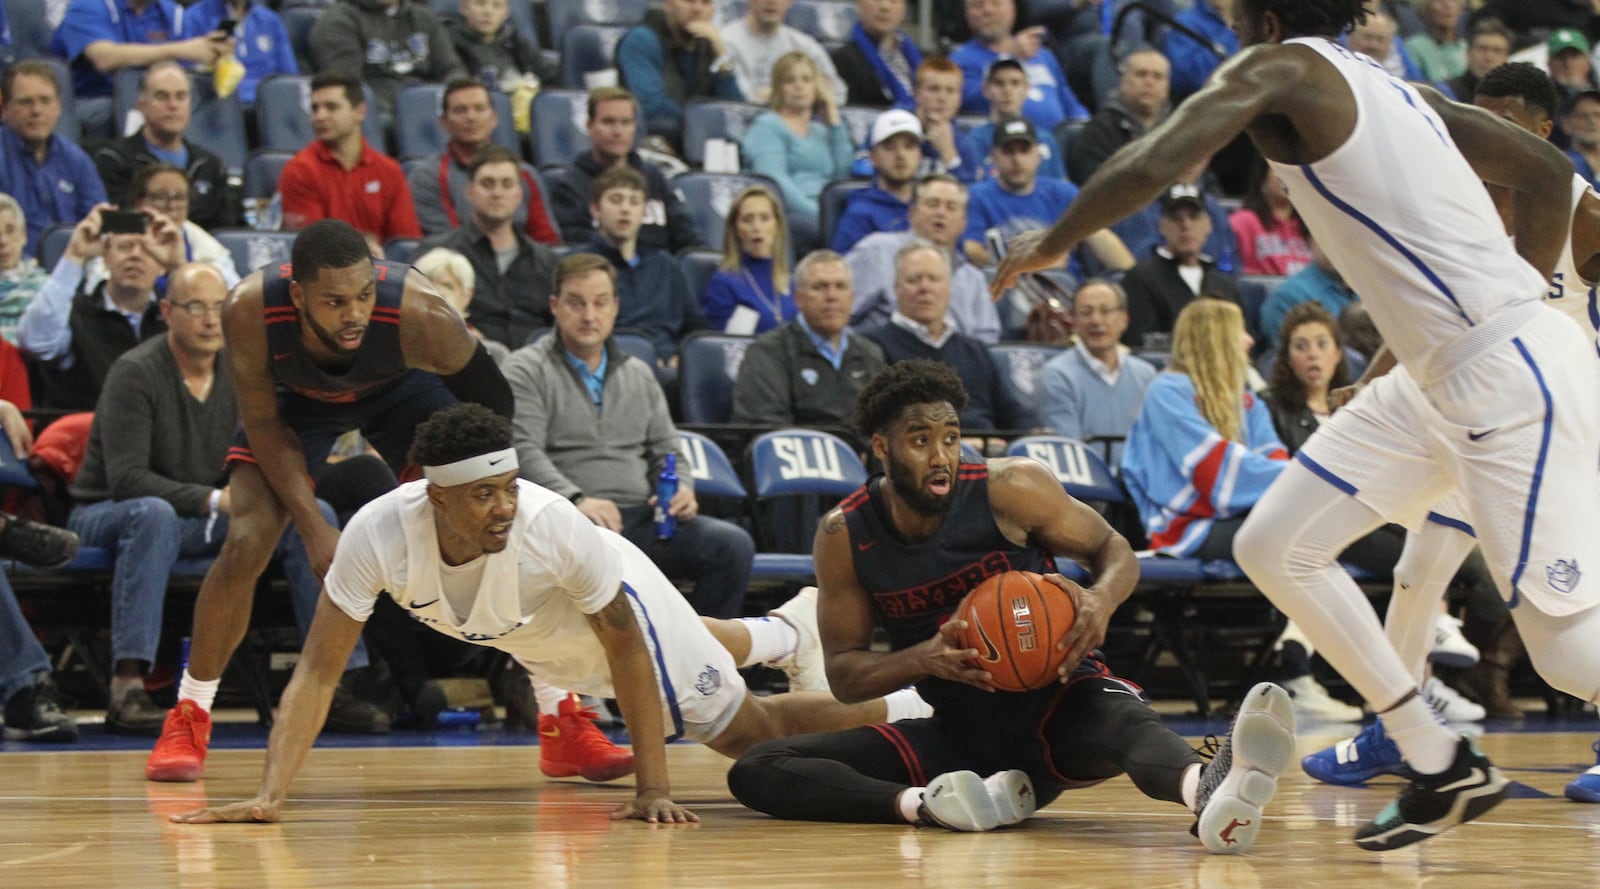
666,489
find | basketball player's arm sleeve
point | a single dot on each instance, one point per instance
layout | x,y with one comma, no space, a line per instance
480,381
435,338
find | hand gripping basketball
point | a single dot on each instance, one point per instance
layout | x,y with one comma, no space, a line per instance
1016,622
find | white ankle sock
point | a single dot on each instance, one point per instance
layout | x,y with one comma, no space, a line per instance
549,697
910,802
203,693
771,639
1426,744
906,704
1190,786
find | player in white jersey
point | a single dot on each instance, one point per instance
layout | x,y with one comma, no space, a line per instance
1526,96
1388,175
480,555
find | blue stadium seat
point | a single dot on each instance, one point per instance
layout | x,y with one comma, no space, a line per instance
567,14
829,22
253,249
67,124
859,118
261,171
709,466
283,114
124,97
708,365
560,126
714,119
298,21
417,130
30,29
1253,293
709,195
698,267
1020,365
1064,132
831,203
795,474
217,125
401,249
53,243
586,49
637,344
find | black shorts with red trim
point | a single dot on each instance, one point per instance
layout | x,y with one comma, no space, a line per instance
387,419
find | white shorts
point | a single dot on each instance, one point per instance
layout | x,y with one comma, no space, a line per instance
701,689
1516,430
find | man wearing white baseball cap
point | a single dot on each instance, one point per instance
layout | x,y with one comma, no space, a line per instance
896,153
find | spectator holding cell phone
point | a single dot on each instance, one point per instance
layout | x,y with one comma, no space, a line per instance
76,331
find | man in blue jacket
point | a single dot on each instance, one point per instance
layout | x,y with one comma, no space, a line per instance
675,56
896,155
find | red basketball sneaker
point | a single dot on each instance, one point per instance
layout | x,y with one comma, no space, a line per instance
180,754
571,744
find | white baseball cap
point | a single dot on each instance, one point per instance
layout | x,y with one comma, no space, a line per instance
893,122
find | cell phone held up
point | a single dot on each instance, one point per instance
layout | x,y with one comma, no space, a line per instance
122,222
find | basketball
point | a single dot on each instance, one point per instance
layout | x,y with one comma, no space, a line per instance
1014,620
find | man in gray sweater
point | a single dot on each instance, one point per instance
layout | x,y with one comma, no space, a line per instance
148,490
592,425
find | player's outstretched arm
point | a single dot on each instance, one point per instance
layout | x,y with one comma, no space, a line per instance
639,696
1538,174
277,449
435,338
1028,500
856,673
1242,90
301,713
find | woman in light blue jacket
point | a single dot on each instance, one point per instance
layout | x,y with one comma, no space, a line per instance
802,143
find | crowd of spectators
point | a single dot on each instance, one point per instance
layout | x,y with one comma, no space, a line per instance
948,152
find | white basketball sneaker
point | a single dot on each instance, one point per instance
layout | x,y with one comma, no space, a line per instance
963,801
804,666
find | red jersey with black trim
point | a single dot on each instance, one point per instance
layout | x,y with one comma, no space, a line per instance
379,362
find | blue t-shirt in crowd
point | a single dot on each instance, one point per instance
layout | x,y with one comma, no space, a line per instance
91,21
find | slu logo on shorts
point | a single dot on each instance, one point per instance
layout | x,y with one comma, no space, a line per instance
709,680
1563,575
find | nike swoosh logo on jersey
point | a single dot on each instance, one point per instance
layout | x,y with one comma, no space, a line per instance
863,547
1479,436
990,653
422,604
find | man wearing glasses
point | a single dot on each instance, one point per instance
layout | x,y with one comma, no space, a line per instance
151,487
165,103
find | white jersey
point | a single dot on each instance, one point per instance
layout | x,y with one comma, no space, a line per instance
1406,221
1569,291
532,599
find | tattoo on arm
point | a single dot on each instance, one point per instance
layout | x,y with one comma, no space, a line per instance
618,615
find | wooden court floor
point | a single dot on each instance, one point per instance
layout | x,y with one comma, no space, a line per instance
483,816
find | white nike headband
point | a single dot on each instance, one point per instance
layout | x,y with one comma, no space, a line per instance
472,469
